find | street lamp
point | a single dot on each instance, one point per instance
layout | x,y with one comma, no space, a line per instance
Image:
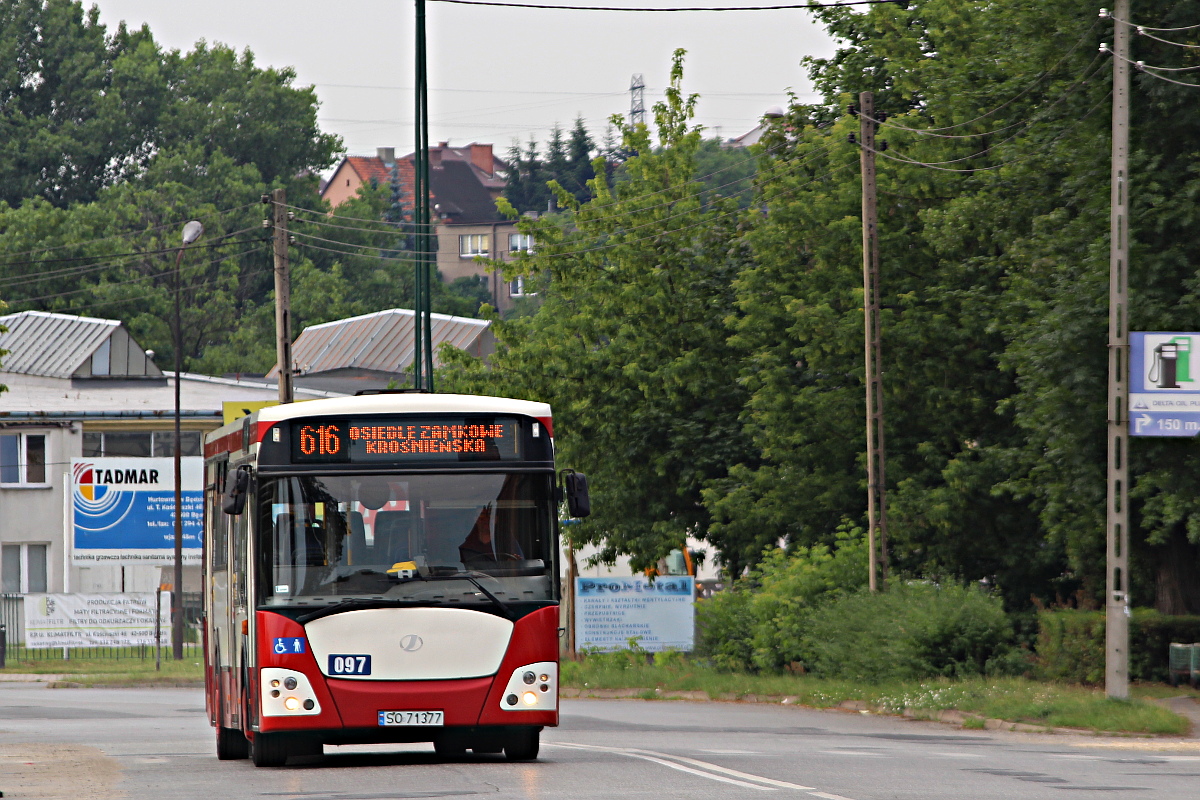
191,232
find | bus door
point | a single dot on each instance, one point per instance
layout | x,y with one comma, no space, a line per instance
241,657
221,643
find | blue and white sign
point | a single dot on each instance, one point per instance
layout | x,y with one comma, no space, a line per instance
289,645
1164,384
123,510
660,615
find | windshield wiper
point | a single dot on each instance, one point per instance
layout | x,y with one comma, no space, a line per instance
473,578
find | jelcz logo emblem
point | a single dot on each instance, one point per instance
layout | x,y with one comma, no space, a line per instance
411,643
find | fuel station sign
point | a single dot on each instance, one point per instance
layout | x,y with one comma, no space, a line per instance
1164,384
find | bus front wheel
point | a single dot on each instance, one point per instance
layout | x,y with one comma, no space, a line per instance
267,750
523,746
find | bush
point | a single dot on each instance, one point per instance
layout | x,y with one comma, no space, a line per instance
909,632
1070,646
758,625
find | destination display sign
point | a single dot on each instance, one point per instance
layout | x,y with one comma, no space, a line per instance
376,439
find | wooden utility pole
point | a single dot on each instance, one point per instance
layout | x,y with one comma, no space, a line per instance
876,500
1116,661
283,294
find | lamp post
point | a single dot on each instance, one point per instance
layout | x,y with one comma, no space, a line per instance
191,232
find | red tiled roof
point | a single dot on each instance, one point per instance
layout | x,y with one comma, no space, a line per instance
471,186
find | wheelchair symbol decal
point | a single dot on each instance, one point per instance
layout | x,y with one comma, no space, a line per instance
289,645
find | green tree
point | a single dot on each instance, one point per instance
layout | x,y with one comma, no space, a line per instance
84,109
630,345
108,144
579,158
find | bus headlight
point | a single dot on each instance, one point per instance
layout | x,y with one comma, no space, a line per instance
521,695
300,699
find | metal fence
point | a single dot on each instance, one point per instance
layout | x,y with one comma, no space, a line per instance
12,637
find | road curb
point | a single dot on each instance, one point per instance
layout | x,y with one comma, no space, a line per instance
961,719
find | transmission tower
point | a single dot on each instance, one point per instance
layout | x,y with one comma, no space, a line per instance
637,100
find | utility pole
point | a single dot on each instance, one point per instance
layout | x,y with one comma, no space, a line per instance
423,219
283,294
1116,660
876,500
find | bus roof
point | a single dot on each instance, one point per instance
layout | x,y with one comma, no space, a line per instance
388,403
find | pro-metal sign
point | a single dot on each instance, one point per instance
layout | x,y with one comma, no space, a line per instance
1164,384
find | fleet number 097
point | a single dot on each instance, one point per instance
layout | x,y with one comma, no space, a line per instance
349,665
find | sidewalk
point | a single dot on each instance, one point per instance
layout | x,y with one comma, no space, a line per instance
1188,708
17,677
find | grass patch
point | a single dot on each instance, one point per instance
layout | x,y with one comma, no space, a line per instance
112,671
1012,699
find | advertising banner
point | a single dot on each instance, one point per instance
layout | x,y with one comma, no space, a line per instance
95,620
123,510
609,612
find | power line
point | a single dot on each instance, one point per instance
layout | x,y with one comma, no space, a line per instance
131,234
902,159
1105,14
139,279
1026,124
101,262
193,286
1152,71
1142,32
1147,71
1084,78
1018,95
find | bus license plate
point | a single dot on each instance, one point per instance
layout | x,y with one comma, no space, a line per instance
422,718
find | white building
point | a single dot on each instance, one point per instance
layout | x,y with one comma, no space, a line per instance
80,387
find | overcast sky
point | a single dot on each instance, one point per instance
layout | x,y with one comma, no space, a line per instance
496,74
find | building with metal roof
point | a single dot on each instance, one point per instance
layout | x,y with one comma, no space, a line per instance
66,346
83,388
373,350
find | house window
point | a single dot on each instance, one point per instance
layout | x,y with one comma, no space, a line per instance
23,567
23,459
139,444
520,243
472,244
516,287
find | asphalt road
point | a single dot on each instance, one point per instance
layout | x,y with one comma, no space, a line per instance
102,744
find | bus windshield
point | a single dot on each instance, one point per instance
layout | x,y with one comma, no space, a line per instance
430,538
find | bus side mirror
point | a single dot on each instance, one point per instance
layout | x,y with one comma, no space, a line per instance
236,487
579,504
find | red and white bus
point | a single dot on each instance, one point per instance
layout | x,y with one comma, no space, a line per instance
383,568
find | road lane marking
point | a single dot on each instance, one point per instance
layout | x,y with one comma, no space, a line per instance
704,769
664,762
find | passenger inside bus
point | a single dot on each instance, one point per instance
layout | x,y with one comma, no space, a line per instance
484,547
